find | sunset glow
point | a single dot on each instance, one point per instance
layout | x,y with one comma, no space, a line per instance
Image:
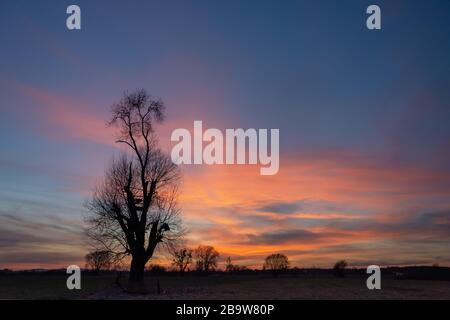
364,167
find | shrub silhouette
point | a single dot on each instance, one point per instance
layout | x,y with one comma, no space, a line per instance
339,268
156,269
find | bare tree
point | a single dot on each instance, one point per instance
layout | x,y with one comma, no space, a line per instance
99,260
229,266
135,208
182,258
276,263
206,258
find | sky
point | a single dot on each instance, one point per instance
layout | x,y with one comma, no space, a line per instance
363,117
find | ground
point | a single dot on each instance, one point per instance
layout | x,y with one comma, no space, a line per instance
223,286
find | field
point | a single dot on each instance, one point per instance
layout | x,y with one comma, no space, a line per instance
222,286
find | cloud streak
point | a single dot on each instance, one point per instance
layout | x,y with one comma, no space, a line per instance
39,241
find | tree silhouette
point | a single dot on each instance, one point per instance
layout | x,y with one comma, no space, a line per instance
206,258
276,263
339,268
135,208
99,260
229,267
182,258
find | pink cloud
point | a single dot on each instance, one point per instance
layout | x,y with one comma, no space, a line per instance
67,118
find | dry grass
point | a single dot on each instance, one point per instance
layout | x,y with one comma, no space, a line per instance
223,287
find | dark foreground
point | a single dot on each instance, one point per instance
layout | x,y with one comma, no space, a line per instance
222,286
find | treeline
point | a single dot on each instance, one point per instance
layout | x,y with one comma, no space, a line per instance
205,260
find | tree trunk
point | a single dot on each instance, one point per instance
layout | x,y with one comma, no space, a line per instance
136,283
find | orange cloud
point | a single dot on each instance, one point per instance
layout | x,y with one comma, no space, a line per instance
314,204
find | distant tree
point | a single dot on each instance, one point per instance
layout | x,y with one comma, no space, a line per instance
276,263
339,268
99,260
206,258
134,209
229,267
182,258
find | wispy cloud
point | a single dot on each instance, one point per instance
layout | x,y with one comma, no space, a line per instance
38,241
66,117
